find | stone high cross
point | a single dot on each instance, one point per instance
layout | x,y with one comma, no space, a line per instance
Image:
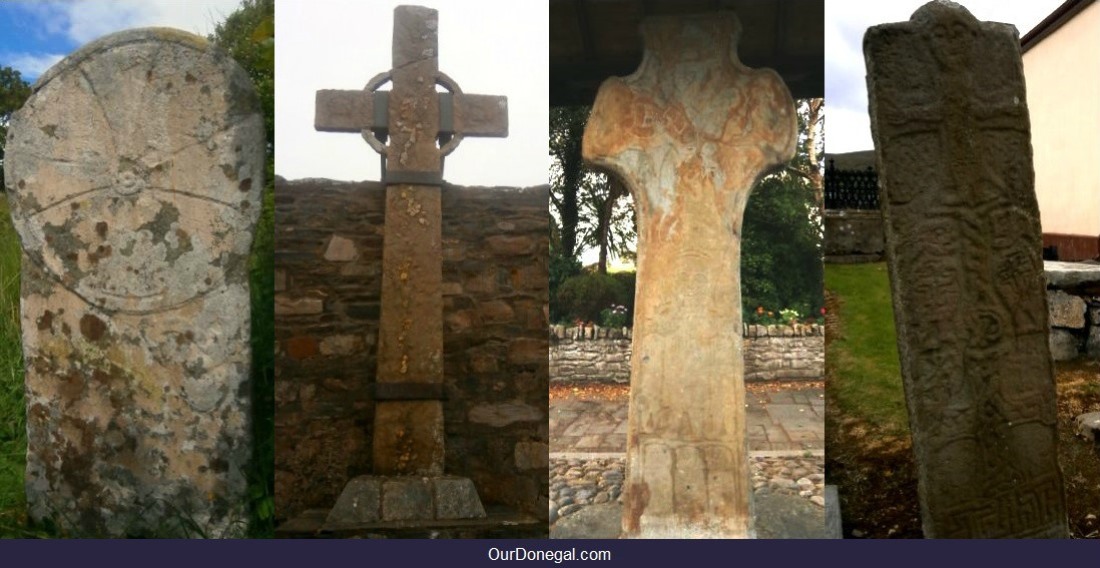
950,123
689,133
413,117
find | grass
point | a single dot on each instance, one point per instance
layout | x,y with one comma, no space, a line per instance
13,431
861,359
13,441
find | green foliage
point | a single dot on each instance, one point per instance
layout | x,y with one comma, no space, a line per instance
566,172
13,424
861,357
614,317
585,296
13,93
588,207
626,281
781,238
262,275
607,219
781,249
249,36
562,268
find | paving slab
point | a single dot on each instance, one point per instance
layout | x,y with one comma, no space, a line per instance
784,421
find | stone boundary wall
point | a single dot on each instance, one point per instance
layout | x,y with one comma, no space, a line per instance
328,250
772,353
1073,300
853,236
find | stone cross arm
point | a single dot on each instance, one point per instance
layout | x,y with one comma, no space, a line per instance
459,113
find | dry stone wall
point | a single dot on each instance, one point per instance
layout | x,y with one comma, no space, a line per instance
1073,301
772,353
853,236
328,284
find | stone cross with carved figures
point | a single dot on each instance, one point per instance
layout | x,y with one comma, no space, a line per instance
951,128
421,126
689,133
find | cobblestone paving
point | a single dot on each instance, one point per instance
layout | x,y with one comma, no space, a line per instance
577,482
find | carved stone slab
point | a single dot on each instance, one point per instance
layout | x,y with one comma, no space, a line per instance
951,131
134,174
689,132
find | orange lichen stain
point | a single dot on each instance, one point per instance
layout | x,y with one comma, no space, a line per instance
637,499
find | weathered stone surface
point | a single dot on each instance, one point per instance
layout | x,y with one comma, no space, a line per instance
1088,426
853,235
950,124
1064,345
456,498
288,306
505,413
1066,310
532,455
833,520
408,438
361,502
340,249
341,344
406,498
134,173
688,133
1092,346
1071,274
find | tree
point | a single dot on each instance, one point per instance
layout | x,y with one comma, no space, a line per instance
14,91
607,218
589,206
566,132
807,162
249,36
781,239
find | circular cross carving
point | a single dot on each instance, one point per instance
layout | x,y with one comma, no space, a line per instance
442,80
133,171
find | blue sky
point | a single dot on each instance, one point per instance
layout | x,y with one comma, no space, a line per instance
35,35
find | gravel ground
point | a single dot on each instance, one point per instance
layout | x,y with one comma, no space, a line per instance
575,483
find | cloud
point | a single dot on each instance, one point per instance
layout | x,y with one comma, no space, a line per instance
848,127
82,22
847,130
31,64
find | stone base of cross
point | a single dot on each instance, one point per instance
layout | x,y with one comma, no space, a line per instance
371,499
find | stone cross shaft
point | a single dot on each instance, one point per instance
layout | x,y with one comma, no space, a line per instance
689,133
952,139
412,117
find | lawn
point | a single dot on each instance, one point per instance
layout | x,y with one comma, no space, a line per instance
862,356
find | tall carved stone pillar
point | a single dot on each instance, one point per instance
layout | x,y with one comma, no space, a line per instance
689,133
